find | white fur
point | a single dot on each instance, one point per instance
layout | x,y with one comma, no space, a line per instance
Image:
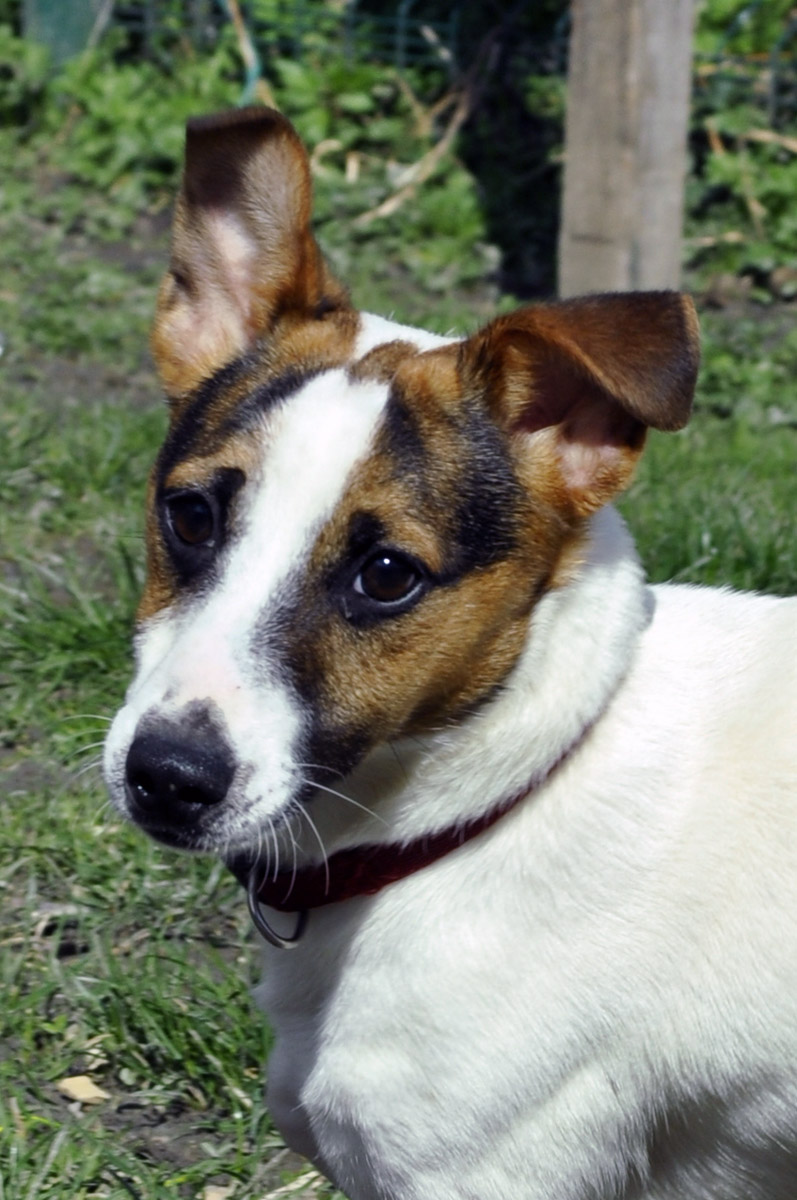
375,331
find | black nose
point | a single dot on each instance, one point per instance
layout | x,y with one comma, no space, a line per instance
172,779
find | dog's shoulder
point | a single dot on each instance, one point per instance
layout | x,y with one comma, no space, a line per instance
743,642
718,671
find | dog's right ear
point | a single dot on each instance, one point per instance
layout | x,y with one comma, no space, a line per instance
243,252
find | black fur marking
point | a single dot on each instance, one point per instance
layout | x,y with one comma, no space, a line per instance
401,435
339,750
192,431
481,523
291,618
325,306
366,532
196,432
485,519
267,396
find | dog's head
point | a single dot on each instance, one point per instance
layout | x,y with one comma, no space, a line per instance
350,522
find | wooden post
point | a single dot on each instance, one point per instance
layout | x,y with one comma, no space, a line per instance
625,145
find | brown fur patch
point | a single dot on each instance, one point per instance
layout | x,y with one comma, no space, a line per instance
382,362
241,452
159,589
420,669
583,380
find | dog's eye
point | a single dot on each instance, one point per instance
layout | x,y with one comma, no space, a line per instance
191,518
388,578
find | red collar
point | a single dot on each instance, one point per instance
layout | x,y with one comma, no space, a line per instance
365,870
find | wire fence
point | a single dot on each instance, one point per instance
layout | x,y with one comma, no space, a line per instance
765,80
404,37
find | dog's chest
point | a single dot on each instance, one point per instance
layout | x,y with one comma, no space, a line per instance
435,1055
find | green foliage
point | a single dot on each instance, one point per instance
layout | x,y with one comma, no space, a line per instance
741,190
750,376
122,132
741,26
113,130
24,72
714,504
360,104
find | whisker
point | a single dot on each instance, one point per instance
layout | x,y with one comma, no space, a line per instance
395,754
85,749
89,717
418,740
105,809
294,847
319,767
349,800
263,851
94,765
273,833
312,825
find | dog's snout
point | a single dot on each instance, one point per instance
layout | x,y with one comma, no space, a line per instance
171,779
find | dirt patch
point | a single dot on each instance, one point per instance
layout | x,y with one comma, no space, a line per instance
21,776
61,383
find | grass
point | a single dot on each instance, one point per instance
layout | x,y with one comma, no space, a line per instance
714,504
118,960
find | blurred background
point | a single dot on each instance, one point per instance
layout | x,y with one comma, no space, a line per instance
466,158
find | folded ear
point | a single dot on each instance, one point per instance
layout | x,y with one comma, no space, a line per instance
582,380
243,252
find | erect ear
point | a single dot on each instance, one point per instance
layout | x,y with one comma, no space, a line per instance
243,252
582,380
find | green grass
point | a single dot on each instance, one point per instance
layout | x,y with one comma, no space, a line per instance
714,504
120,960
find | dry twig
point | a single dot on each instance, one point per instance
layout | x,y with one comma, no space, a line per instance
424,167
248,53
769,138
463,99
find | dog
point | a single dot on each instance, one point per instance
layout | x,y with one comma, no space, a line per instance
519,831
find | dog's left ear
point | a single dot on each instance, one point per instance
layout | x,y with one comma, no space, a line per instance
243,251
580,382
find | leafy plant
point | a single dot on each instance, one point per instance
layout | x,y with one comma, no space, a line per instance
744,138
740,26
24,71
